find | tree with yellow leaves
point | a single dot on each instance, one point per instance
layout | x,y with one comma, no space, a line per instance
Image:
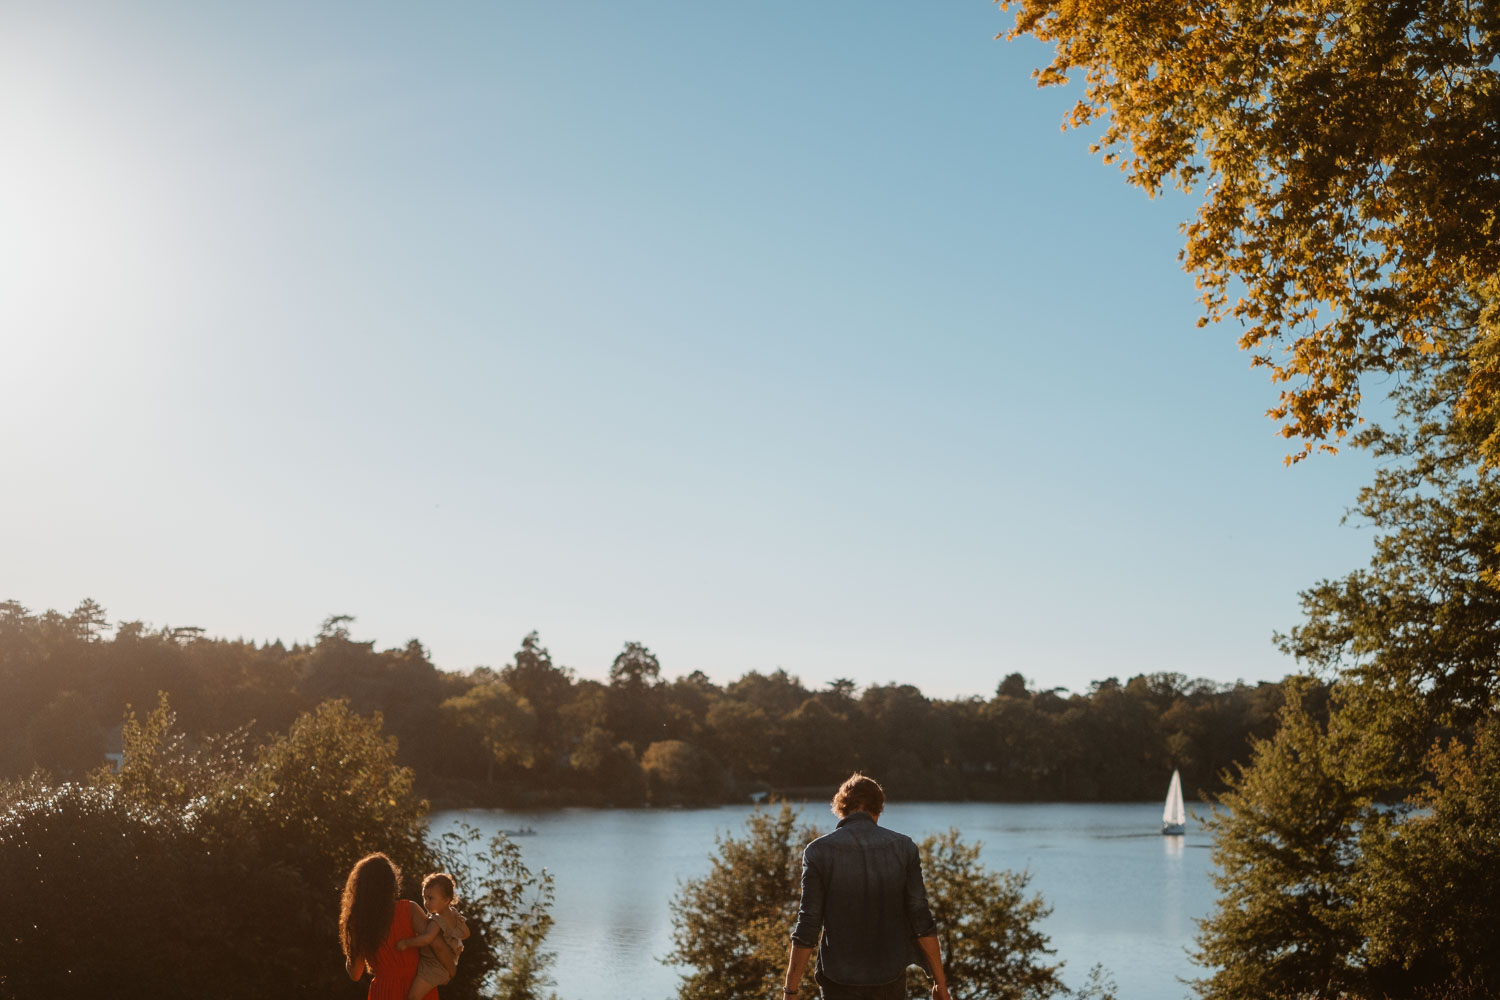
1348,154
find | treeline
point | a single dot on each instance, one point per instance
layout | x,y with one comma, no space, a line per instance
533,732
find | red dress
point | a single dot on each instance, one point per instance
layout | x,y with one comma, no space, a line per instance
394,970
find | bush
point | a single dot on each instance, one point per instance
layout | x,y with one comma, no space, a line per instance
733,925
109,897
216,869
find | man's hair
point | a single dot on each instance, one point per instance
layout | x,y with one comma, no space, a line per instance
859,794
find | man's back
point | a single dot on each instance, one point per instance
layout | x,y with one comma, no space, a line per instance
862,884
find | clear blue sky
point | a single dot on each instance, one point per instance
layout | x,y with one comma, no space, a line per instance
770,335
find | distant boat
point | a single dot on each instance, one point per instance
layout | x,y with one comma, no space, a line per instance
1174,816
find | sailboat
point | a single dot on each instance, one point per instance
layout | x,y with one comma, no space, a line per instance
1174,816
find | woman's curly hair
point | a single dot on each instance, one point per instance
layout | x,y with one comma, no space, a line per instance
368,906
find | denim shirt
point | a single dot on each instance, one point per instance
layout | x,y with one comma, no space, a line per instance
862,887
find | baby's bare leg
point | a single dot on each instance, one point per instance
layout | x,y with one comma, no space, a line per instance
419,989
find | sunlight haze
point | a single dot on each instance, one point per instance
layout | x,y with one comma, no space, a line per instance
780,335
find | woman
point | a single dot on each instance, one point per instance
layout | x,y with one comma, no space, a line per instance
371,921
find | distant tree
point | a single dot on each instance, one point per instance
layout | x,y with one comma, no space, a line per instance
635,701
65,734
906,742
689,699
1014,686
335,627
777,693
501,719
635,668
741,736
678,773
547,688
64,693
843,688
89,620
610,768
818,746
338,666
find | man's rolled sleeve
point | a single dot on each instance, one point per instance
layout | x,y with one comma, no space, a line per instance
810,909
918,916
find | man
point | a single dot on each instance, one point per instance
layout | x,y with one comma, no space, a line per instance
862,888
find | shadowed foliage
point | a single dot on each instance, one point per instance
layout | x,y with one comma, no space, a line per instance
214,867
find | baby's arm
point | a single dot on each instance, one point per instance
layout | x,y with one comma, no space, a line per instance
432,930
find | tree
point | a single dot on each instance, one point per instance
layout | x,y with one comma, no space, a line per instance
1350,169
501,719
327,793
741,735
635,668
843,688
635,700
1420,622
817,745
731,925
1358,851
678,773
611,768
986,925
1436,872
547,689
1013,686
89,619
1286,921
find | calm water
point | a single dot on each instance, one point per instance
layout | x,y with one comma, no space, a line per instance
1121,893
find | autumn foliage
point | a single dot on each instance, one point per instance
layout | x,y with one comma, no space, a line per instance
1349,164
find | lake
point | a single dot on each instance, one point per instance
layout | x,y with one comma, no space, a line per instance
1121,893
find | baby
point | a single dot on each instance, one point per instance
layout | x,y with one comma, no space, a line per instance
442,939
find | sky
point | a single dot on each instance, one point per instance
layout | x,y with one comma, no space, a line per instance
772,335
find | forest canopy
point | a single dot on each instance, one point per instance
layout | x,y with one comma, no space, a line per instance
533,732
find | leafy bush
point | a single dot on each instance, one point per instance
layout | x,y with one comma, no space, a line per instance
732,925
216,869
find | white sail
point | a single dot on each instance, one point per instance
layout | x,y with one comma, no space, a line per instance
1174,816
